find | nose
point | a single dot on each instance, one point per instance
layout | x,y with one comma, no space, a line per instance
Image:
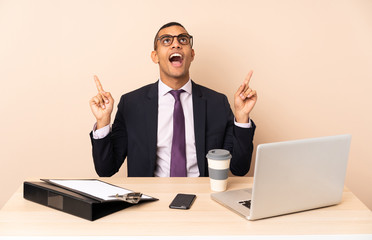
175,43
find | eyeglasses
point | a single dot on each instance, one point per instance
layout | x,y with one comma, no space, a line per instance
183,39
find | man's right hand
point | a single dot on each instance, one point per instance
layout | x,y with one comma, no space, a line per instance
101,105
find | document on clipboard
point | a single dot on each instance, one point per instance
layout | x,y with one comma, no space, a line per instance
99,190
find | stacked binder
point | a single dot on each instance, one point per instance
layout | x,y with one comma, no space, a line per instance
82,198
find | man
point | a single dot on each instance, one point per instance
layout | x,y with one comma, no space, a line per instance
167,128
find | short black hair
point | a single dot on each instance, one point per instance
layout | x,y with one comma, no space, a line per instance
170,24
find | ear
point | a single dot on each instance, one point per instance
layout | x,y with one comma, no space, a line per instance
154,57
192,55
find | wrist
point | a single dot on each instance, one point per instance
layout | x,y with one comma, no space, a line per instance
242,118
103,122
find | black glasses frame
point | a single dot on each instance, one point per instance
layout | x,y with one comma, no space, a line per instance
177,36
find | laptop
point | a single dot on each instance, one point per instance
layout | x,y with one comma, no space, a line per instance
292,176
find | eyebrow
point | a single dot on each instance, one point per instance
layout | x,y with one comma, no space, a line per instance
168,34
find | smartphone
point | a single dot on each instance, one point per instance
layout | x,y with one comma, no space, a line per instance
182,201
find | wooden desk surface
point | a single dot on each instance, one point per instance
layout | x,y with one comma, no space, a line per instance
206,217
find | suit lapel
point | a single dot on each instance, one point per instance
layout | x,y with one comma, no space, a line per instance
151,107
199,105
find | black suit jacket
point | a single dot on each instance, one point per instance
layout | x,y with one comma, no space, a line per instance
134,133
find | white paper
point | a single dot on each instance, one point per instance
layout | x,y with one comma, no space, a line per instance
94,188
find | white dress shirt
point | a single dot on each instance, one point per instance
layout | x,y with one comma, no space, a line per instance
165,130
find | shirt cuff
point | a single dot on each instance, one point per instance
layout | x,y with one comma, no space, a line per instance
100,133
243,125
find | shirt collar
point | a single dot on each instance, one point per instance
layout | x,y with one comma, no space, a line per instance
164,89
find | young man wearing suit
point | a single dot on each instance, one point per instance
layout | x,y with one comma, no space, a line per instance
146,128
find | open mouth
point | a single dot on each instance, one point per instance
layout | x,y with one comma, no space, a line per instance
176,59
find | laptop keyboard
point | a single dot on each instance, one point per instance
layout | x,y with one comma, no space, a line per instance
246,203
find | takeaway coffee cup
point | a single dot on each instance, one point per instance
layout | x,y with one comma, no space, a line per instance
218,166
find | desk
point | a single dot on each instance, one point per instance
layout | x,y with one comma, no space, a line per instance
206,217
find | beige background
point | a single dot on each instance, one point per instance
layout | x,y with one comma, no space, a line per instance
312,63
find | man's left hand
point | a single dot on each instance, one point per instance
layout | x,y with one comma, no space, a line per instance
244,100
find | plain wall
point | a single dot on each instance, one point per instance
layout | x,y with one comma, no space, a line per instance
312,63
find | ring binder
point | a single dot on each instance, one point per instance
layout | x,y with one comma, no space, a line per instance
77,203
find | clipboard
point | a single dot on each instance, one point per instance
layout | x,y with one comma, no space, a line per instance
99,190
76,202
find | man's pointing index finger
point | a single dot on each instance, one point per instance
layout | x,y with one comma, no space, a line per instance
98,84
248,77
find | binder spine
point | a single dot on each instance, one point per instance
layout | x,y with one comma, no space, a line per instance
58,200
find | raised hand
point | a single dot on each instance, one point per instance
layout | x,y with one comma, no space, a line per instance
244,100
101,105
